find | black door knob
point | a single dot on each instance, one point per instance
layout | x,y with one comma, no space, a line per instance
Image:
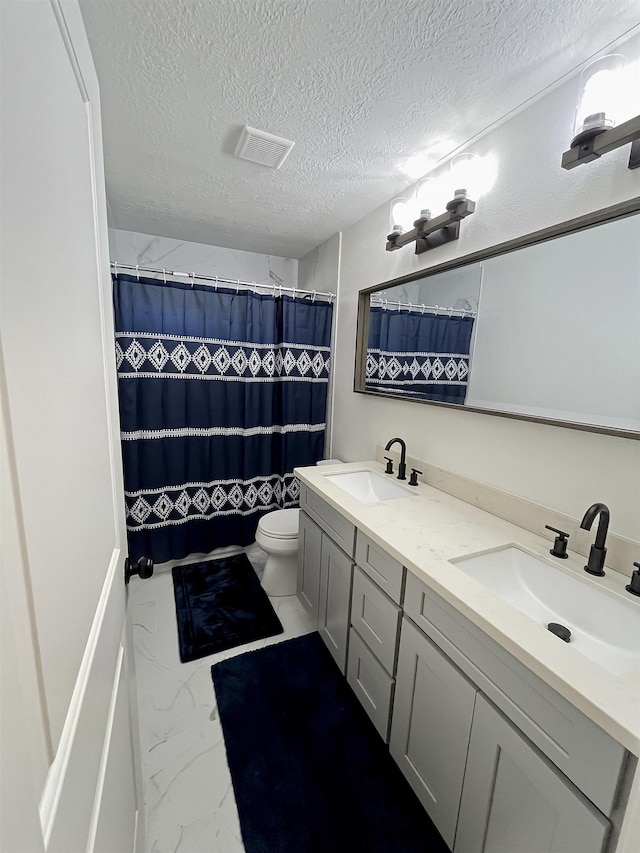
142,567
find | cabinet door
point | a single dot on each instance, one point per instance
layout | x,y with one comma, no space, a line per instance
376,618
515,801
308,585
371,683
334,524
430,727
335,593
384,569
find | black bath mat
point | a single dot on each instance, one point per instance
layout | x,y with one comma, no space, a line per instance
220,604
310,773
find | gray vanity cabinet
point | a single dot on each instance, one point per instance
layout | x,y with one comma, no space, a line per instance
586,755
335,589
430,729
324,586
485,786
308,581
376,618
386,571
378,581
500,761
373,645
325,569
513,798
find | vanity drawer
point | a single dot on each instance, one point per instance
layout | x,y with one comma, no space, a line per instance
371,683
341,530
385,570
376,619
585,753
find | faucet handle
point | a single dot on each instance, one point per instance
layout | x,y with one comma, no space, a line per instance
389,468
413,480
560,543
634,586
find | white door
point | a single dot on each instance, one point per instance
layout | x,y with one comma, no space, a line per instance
67,749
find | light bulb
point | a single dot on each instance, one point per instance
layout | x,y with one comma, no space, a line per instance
472,175
424,198
432,195
400,219
605,97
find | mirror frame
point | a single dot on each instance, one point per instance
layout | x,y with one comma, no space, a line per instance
580,223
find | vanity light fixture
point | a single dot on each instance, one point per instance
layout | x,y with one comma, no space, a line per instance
602,121
429,232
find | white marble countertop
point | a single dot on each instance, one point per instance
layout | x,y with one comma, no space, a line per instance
427,530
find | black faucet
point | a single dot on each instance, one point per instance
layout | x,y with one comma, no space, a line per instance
402,467
597,554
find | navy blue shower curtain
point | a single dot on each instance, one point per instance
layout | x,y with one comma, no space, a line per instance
420,355
222,394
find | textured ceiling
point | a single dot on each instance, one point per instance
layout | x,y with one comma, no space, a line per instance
365,88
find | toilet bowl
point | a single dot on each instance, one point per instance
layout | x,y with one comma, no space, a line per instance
277,534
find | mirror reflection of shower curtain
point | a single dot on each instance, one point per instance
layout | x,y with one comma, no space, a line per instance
222,394
417,354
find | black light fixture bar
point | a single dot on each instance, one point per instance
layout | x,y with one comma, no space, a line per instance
601,142
429,233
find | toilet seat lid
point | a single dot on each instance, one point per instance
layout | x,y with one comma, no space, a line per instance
281,523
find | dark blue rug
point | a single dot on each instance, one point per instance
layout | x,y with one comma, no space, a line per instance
220,604
310,773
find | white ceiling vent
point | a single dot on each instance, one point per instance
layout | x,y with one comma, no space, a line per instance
263,148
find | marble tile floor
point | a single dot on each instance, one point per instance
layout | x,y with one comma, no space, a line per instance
189,799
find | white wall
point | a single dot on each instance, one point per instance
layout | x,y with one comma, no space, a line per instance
129,247
561,468
320,270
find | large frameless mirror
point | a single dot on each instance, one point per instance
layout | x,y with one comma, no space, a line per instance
545,328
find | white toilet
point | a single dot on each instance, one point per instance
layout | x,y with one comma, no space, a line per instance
277,534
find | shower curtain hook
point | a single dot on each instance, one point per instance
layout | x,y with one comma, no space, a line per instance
137,273
410,307
216,284
422,306
313,298
436,308
115,268
450,311
164,274
193,280
237,285
399,303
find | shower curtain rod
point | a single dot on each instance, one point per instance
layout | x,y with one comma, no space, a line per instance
415,306
216,280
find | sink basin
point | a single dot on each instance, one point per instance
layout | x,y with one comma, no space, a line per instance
604,627
369,487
